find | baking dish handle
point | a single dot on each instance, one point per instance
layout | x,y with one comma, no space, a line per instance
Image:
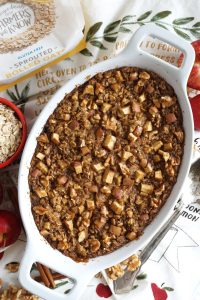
154,31
32,255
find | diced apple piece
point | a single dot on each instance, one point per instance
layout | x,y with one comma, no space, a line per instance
164,154
126,155
153,110
69,225
142,97
42,167
105,107
148,168
124,169
116,230
132,137
158,175
108,176
81,236
85,150
109,142
156,158
133,76
131,236
148,126
55,138
168,147
144,75
99,223
40,156
179,135
89,89
119,76
41,193
116,207
116,87
98,167
147,188
105,190
166,101
157,145
139,175
126,110
78,167
90,204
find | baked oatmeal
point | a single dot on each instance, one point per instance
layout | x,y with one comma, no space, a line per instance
106,162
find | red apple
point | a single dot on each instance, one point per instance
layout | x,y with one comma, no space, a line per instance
194,78
10,228
103,290
195,105
158,293
1,193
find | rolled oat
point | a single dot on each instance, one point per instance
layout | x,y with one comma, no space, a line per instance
10,132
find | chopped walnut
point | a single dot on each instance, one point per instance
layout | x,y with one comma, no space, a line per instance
115,272
12,267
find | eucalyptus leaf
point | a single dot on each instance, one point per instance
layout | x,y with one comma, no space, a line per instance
61,284
127,18
182,21
182,34
12,96
98,45
169,289
124,29
144,16
86,52
196,24
25,92
129,23
111,26
110,39
141,276
161,15
161,25
195,33
93,29
135,287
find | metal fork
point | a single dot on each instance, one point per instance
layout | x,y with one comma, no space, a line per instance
126,282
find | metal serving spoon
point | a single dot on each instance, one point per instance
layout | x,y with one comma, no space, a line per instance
190,194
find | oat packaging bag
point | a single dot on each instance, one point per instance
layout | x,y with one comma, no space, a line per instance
35,34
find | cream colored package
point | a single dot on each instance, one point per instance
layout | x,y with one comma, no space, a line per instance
35,34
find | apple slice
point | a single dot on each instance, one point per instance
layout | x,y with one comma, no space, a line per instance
195,105
194,78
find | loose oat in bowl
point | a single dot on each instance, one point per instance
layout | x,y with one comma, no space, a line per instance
10,132
106,162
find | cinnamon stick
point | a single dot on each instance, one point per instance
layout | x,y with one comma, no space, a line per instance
56,276
43,275
49,276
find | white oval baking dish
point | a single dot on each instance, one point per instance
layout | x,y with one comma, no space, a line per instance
37,248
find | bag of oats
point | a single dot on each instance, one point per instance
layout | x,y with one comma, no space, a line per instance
35,34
